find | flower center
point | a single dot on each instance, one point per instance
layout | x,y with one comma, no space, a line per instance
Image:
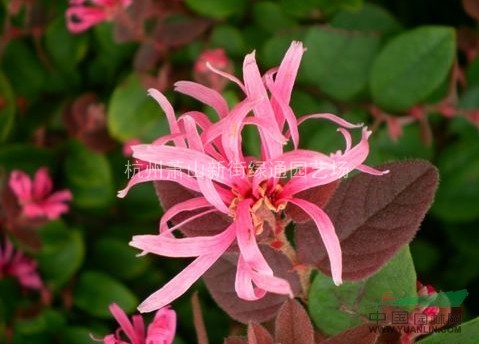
264,207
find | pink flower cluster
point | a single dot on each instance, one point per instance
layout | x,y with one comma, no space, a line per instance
160,331
203,74
35,196
81,16
249,199
422,319
14,263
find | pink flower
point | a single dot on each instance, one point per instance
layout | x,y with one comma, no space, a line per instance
127,151
14,263
251,191
35,196
80,17
422,319
219,60
160,331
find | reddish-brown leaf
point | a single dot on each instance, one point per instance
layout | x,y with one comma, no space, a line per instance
357,335
179,33
236,340
85,119
373,217
319,195
472,8
220,280
257,334
171,193
293,325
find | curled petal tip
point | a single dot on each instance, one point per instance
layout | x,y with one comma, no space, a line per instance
121,194
152,91
146,308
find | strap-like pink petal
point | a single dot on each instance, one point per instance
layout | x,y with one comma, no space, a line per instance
168,246
42,184
21,185
125,324
205,95
328,235
183,281
184,159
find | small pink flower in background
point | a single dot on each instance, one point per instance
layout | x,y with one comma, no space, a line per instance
424,290
14,263
35,196
160,331
137,165
249,190
83,14
127,151
423,319
218,59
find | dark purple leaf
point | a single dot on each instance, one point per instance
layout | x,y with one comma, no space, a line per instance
319,195
220,280
357,335
257,334
179,33
171,193
389,336
293,324
147,56
472,8
85,119
236,340
374,217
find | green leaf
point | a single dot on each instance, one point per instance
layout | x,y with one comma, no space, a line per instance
408,146
466,333
339,61
125,264
335,309
10,295
329,7
132,113
62,253
65,49
303,8
25,72
273,50
95,291
89,177
217,8
369,18
7,107
229,38
141,203
412,66
110,58
276,21
78,335
458,193
47,321
472,73
25,157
